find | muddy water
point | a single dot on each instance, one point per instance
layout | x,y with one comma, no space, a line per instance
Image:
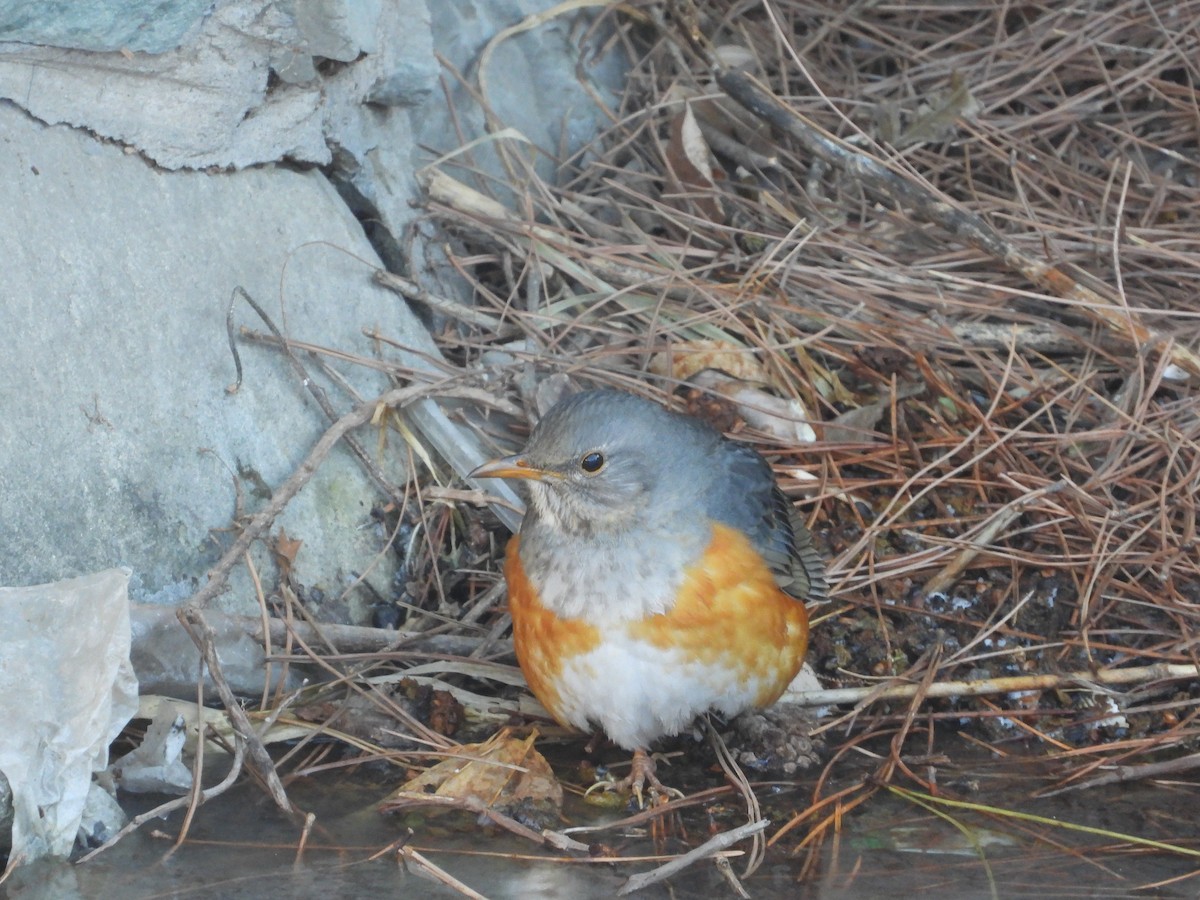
239,847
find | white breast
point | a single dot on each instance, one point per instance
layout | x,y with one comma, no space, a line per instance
594,580
637,692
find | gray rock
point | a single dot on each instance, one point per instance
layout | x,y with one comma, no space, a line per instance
207,103
101,24
119,444
530,83
340,29
212,101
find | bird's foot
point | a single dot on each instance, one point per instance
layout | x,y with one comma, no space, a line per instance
641,775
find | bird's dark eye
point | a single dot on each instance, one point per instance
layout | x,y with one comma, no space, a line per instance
592,463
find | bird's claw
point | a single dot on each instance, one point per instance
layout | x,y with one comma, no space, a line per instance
641,776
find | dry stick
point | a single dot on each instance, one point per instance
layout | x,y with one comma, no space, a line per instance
736,777
474,805
219,573
197,767
725,868
986,535
1045,339
451,308
425,868
310,819
204,638
347,638
966,226
1122,774
650,813
359,638
158,812
714,845
318,392
473,497
735,150
1140,674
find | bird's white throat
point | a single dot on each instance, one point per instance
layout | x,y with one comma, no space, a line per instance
590,578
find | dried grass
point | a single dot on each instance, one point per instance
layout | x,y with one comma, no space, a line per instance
969,245
1032,454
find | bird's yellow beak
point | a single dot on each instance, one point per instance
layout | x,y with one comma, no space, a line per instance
517,466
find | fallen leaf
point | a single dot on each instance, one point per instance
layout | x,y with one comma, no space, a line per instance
286,550
737,57
502,772
784,419
684,360
939,121
736,374
857,425
692,164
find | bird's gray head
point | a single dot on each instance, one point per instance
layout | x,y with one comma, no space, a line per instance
601,461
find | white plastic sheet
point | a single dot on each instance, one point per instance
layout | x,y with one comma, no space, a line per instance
66,691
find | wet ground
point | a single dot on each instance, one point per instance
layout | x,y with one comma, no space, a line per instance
890,846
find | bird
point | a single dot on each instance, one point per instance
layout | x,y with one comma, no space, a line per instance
659,573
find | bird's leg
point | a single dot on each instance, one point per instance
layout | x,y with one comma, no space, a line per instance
641,774
593,742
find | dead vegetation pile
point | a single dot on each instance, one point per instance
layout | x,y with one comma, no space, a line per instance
963,238
958,245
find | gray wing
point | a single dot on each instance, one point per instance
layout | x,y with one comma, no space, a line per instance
746,497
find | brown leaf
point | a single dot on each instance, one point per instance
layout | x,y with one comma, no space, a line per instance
693,166
784,419
285,550
500,772
857,425
736,374
939,122
685,359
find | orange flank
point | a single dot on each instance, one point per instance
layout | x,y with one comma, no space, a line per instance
731,614
541,639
